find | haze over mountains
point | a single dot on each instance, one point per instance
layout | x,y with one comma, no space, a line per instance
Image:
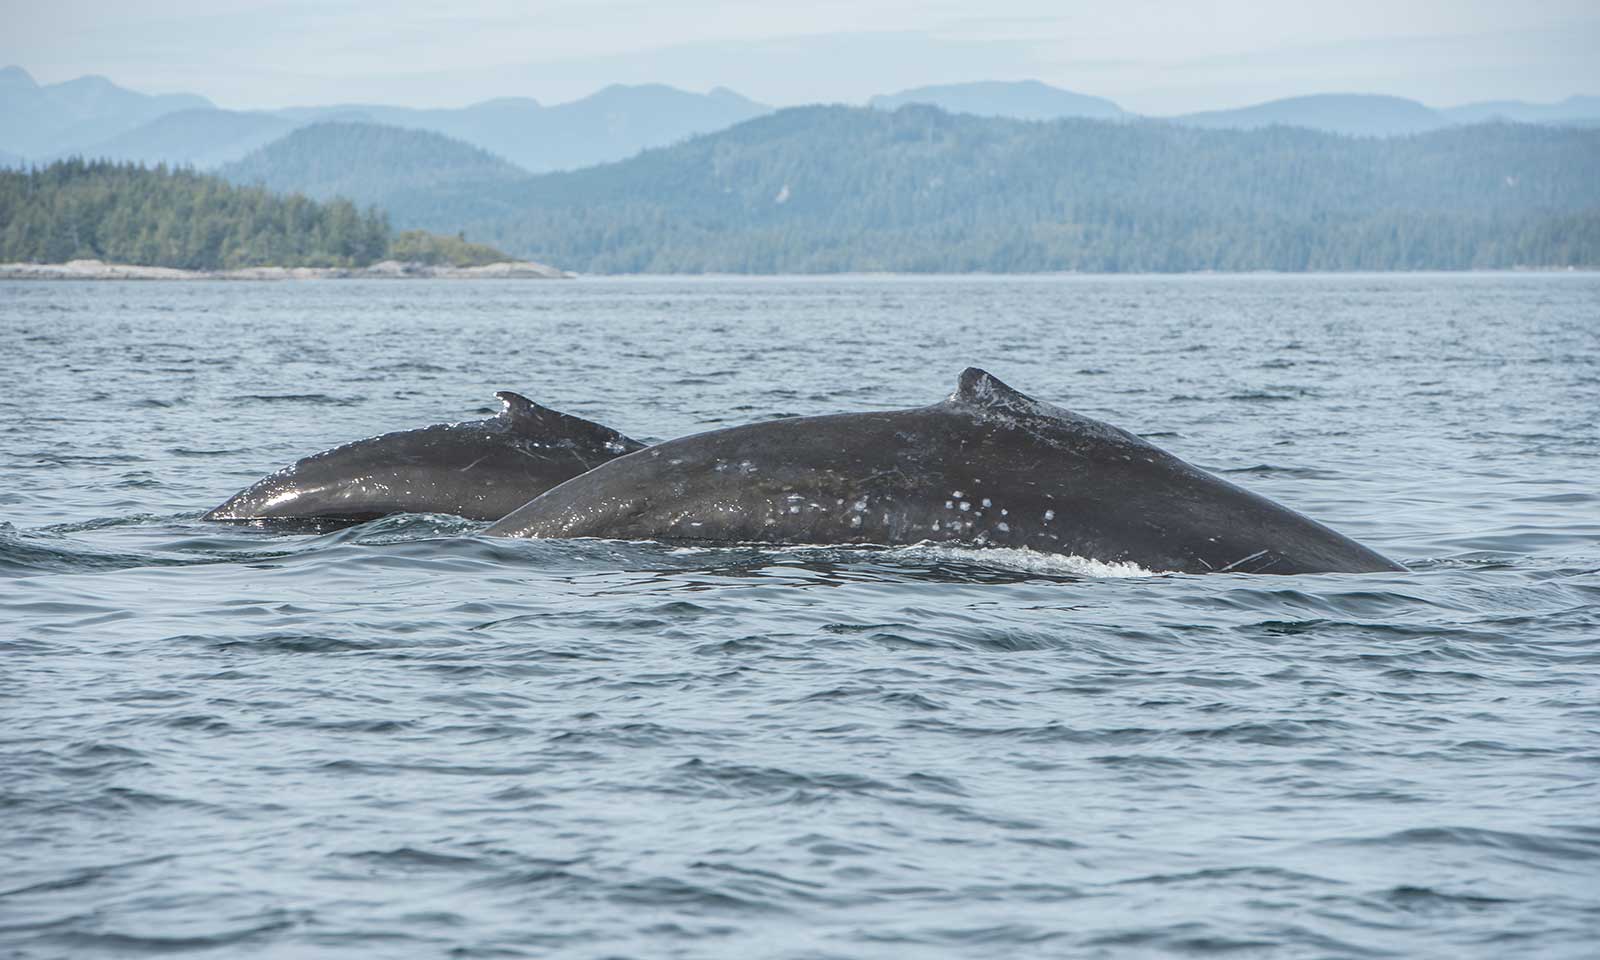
1022,100
415,176
41,122
1001,177
93,117
825,189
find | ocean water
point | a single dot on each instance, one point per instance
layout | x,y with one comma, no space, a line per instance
403,739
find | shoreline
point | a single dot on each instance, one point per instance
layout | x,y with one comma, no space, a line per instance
383,270
532,270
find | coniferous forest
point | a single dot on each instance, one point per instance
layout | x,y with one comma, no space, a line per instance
826,189
818,189
124,213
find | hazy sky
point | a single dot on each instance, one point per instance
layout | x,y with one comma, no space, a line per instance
1151,57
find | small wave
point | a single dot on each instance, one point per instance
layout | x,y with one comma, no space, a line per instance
320,399
411,858
22,556
122,944
1273,470
204,452
1427,900
1542,845
671,892
1259,396
726,780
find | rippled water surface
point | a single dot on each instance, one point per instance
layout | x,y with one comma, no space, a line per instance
403,739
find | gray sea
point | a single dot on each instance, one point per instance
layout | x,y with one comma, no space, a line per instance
403,739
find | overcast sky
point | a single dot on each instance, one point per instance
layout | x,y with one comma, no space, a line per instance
1156,58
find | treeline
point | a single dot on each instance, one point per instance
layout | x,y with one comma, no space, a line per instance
826,189
818,189
124,213
419,246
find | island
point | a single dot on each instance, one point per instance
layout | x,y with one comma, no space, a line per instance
98,220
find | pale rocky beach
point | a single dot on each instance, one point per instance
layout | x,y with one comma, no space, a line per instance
383,270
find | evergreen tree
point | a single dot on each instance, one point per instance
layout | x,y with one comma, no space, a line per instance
125,213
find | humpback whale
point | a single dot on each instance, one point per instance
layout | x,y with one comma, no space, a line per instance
988,466
479,469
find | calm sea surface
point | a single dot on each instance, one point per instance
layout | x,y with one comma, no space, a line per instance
403,739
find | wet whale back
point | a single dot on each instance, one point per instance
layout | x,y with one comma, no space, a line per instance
987,466
479,469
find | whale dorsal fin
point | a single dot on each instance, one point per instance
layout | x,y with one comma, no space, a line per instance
543,423
984,392
980,388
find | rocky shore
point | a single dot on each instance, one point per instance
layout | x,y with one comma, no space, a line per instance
383,270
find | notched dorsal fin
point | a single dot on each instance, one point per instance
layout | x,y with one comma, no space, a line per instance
543,423
980,388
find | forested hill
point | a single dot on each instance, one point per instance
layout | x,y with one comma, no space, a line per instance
123,213
366,162
848,189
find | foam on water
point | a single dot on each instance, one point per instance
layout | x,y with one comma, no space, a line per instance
1022,560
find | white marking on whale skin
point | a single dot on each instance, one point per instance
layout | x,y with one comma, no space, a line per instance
1049,515
949,504
1004,512
957,494
1254,556
965,506
1003,527
855,520
794,509
987,502
861,505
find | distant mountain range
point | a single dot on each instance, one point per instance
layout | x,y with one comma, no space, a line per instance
93,117
1381,116
614,123
1024,100
203,138
40,122
916,189
824,189
1002,177
405,172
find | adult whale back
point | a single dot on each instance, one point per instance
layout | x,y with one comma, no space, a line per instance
479,469
988,466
